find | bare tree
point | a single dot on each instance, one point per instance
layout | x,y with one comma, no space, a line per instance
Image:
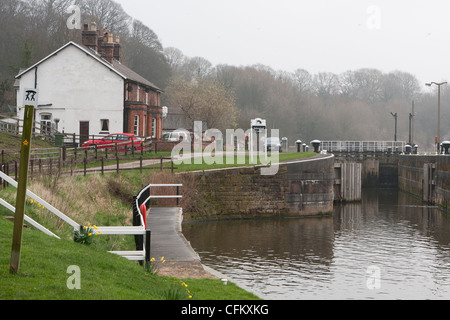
108,15
204,100
145,35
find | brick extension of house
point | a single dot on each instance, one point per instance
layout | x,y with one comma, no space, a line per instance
85,89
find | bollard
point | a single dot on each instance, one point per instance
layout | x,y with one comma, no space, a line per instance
408,149
316,145
446,147
299,145
416,149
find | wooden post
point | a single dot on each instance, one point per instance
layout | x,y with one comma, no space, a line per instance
22,189
148,237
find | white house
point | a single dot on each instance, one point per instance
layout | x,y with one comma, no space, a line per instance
86,90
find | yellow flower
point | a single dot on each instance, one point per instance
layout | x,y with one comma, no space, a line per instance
90,234
84,227
31,201
162,258
153,259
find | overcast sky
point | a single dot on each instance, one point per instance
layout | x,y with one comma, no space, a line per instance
319,36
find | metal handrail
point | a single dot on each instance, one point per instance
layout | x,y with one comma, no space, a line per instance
362,146
147,189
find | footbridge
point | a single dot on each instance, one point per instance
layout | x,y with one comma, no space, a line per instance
364,164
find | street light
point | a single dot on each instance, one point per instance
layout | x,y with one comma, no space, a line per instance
439,111
411,125
395,115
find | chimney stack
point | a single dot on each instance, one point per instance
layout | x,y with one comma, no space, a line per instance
90,36
117,49
104,44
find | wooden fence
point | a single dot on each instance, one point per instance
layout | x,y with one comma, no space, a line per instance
82,161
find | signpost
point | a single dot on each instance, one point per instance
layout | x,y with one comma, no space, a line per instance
30,102
258,126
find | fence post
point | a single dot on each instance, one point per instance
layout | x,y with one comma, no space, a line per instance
117,159
85,166
103,167
148,237
138,239
64,153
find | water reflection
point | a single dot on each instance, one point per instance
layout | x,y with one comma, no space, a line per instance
330,258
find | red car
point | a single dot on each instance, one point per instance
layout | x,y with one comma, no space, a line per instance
122,139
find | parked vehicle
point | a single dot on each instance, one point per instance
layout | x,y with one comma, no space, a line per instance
123,140
176,136
273,144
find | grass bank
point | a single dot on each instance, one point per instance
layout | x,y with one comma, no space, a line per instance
208,163
44,274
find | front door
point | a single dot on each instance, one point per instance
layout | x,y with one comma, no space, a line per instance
84,131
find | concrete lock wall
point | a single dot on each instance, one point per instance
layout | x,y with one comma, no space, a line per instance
427,177
301,188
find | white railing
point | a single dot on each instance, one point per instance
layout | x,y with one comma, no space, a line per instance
29,220
47,205
363,146
139,230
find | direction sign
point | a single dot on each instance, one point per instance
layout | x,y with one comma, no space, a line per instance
30,97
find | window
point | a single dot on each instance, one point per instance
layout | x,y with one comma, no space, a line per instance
136,125
46,123
122,137
154,128
104,123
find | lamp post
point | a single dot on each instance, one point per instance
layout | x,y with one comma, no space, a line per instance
411,126
395,115
439,111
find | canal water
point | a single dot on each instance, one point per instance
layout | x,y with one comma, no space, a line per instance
390,246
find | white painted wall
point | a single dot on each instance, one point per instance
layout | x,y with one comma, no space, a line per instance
76,87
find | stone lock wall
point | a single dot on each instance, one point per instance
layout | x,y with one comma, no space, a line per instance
300,188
